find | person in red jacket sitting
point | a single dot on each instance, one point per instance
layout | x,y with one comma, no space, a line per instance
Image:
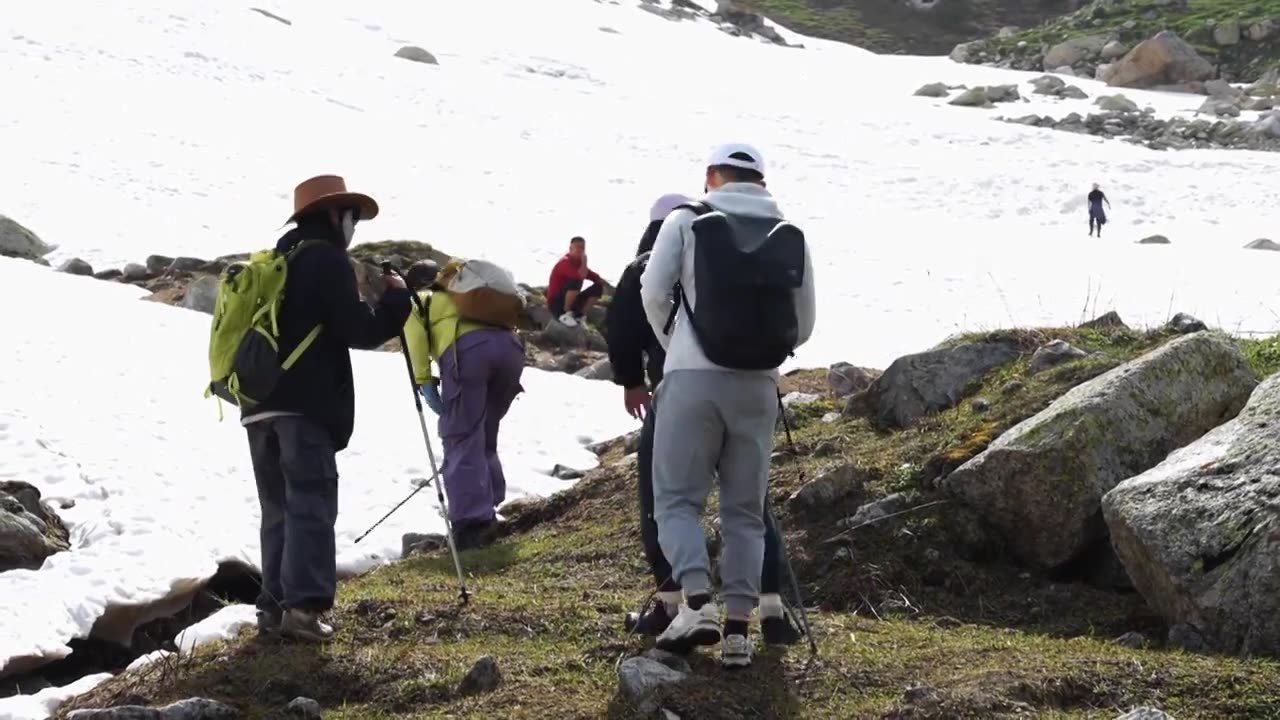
567,299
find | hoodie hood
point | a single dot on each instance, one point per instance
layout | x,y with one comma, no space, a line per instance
746,199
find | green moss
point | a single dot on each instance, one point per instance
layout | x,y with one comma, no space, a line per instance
1263,354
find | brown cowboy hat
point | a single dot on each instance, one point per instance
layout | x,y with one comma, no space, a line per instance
326,191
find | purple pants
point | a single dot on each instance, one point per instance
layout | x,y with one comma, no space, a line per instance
478,383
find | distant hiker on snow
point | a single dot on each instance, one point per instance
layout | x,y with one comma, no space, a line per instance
728,291
296,431
567,299
480,369
1097,217
631,341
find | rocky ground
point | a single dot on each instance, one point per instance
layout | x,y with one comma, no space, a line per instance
1233,40
1069,522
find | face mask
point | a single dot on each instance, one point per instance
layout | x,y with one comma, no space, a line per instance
348,226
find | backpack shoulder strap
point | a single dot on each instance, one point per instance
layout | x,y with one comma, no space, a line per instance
699,207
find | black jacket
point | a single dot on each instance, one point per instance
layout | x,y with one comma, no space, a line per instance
627,330
321,288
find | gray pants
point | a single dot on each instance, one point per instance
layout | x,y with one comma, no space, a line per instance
708,419
297,473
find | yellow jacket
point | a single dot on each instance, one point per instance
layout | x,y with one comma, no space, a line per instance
429,338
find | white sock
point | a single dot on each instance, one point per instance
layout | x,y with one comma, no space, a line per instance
671,600
770,605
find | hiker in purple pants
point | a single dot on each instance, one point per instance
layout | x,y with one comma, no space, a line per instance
480,368
480,377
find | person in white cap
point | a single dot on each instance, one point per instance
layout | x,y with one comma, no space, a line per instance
728,290
634,353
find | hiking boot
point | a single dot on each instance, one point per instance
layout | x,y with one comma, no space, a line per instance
651,624
568,320
303,625
778,630
268,622
735,652
691,628
472,535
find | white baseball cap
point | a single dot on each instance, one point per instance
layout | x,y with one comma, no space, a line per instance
738,155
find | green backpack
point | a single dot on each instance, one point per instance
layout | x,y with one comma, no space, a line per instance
244,359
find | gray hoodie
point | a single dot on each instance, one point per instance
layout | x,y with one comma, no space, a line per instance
672,260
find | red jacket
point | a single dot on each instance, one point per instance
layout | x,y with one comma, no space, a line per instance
567,269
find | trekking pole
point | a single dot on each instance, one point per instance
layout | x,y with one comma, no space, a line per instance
431,455
392,512
782,542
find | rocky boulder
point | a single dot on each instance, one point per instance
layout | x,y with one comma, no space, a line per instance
1116,103
191,709
1165,59
18,242
29,530
417,54
933,90
76,266
1154,240
1039,486
924,383
1199,534
1075,50
202,295
1227,33
845,379
1052,354
1263,244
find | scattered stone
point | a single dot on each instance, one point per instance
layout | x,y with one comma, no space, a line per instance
271,15
30,530
1223,90
966,52
933,90
1075,50
158,264
973,97
831,417
845,379
1054,353
1116,103
671,660
417,54
1065,70
830,488
1135,640
304,707
76,266
133,272
1227,33
18,242
1154,240
980,405
874,511
1219,108
483,677
202,295
1114,49
1263,244
799,398
1048,85
1071,92
1039,486
1165,59
917,694
421,544
628,443
1262,29
639,677
1185,324
565,473
924,383
190,709
112,274
601,369
1003,93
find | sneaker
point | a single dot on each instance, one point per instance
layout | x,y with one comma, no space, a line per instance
735,652
779,631
691,628
303,625
268,622
651,624
568,320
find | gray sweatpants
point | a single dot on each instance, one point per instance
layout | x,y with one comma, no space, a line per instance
709,419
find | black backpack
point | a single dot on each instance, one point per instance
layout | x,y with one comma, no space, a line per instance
747,270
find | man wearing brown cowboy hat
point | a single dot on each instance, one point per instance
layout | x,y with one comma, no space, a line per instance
296,432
